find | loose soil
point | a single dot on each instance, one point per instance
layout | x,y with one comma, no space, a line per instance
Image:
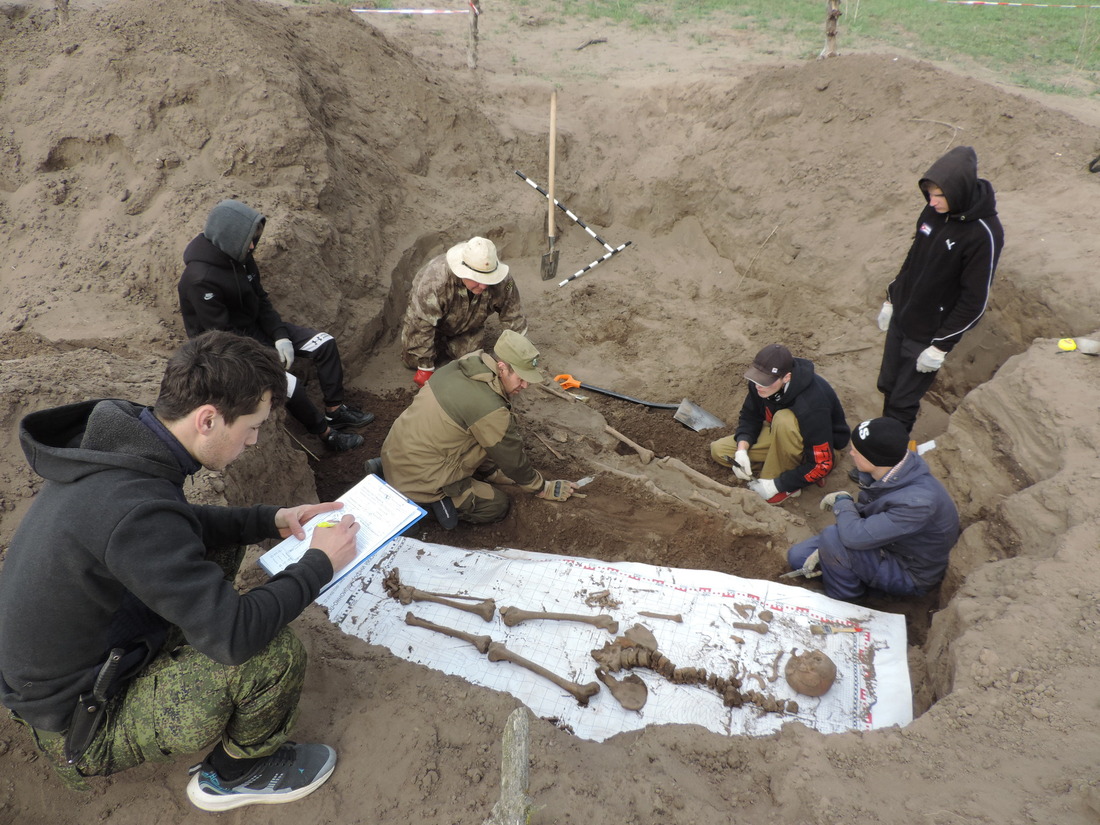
768,197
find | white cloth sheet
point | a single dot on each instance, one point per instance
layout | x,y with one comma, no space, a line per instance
872,688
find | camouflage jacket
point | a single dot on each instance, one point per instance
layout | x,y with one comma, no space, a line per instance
440,304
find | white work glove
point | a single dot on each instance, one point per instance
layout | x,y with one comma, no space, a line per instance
286,352
764,487
741,466
884,315
829,501
809,569
930,360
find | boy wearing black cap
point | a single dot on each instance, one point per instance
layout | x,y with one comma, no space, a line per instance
791,422
896,539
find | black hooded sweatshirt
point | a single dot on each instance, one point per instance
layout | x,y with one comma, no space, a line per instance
220,287
109,531
942,289
821,421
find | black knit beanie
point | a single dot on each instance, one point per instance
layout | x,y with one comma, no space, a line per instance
882,441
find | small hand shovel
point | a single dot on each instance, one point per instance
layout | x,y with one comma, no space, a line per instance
550,259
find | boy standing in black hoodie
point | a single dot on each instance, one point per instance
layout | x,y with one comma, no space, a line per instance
942,289
220,289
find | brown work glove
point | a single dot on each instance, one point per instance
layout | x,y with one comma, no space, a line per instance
557,490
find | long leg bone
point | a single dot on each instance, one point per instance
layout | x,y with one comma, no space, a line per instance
406,595
582,693
645,455
480,642
485,609
513,616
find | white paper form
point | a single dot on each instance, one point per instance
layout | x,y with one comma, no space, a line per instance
872,688
381,511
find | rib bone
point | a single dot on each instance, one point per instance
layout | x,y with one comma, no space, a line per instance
513,616
582,693
645,455
480,642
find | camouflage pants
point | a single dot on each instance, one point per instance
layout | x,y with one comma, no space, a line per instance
184,702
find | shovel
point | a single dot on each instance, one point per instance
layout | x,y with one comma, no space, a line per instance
550,259
687,412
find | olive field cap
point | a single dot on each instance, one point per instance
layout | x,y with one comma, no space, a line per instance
882,441
520,354
477,260
769,365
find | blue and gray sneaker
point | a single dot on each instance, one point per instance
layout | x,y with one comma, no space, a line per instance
292,772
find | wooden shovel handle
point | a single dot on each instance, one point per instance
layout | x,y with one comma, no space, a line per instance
553,153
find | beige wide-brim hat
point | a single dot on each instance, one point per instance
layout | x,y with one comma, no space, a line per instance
477,260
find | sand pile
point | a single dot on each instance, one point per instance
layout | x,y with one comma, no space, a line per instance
763,201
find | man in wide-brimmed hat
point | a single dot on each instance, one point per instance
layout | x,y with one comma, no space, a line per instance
452,297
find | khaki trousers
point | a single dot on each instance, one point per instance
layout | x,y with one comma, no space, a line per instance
778,448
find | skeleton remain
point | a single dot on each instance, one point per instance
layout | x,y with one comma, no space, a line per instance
513,616
485,608
622,654
499,653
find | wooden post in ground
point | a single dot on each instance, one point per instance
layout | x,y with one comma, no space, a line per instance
514,806
831,16
471,41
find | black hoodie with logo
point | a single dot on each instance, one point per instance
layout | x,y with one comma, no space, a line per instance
942,289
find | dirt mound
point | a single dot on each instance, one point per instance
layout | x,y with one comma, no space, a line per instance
764,202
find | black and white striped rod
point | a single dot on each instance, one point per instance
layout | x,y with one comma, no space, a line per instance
580,272
572,217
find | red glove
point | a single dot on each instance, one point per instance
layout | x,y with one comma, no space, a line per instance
422,376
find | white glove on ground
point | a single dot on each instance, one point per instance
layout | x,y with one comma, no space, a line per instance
930,360
764,487
286,352
884,315
829,501
741,466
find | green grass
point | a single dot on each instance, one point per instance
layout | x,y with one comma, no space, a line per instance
1046,48
1050,49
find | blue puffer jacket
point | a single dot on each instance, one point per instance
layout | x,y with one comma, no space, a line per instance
908,514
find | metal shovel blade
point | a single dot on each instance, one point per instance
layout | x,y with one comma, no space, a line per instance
694,416
550,263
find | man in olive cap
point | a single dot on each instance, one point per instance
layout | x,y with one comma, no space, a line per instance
897,538
791,423
452,297
459,434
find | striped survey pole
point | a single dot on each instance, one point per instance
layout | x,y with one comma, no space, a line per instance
566,210
580,272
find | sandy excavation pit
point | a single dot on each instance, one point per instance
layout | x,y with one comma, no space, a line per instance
765,198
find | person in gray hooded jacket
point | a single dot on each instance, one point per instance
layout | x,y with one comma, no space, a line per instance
220,289
897,538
